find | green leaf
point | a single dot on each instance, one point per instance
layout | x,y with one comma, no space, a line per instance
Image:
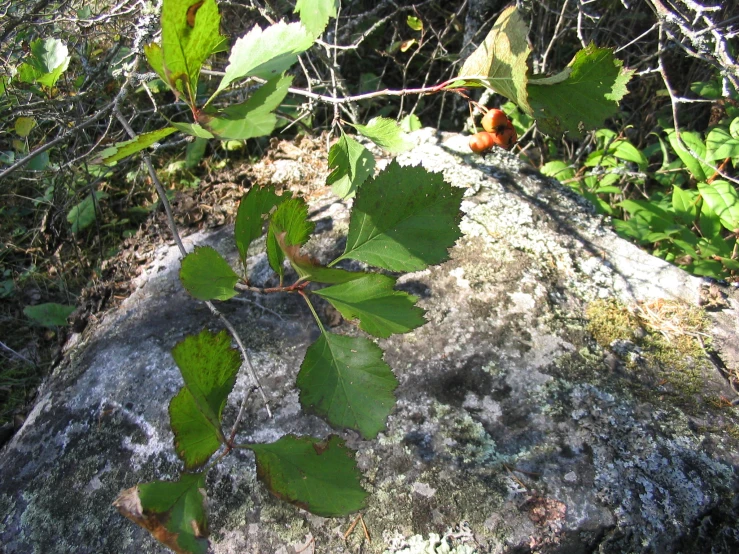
734,128
39,162
708,222
707,89
351,164
721,145
195,152
49,314
500,61
414,23
256,203
318,476
252,118
122,150
290,220
381,311
345,380
49,58
404,219
624,150
683,202
657,218
24,126
155,57
410,123
386,133
190,34
209,366
192,129
723,199
559,170
207,276
693,141
595,84
82,215
267,53
173,512
314,14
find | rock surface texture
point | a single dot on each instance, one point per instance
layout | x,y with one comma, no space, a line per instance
514,430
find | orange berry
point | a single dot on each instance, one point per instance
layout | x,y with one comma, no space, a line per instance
480,142
505,137
494,119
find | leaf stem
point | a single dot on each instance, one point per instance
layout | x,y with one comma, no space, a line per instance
313,311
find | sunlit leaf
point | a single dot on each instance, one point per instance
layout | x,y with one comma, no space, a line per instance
190,34
290,220
209,366
404,219
345,380
683,202
266,53
594,85
195,152
172,511
309,269
49,58
351,164
386,133
723,199
721,145
410,123
50,314
318,476
122,150
696,148
414,23
192,129
381,310
315,14
207,276
501,59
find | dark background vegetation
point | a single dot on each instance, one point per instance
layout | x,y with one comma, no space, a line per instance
43,260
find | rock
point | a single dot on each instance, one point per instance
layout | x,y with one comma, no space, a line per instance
514,430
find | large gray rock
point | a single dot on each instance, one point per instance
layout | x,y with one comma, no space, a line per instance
514,431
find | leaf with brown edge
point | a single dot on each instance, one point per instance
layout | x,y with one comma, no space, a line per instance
309,268
318,476
172,511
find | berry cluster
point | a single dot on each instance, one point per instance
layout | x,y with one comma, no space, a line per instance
498,131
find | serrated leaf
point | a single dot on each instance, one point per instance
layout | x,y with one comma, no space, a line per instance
501,59
310,269
723,199
254,205
381,310
351,164
24,126
410,123
290,220
252,118
207,276
385,133
190,34
404,219
50,314
721,145
318,476
315,14
209,366
172,511
589,95
694,143
122,150
266,53
345,380
82,215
